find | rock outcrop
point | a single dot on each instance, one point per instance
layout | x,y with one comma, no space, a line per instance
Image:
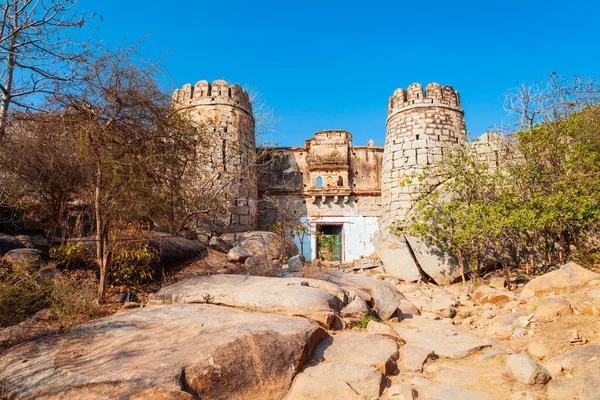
317,300
181,351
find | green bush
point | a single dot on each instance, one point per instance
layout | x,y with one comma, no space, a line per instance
133,267
21,294
71,256
364,321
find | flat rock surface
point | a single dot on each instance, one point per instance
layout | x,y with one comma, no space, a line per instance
256,293
449,392
339,381
175,351
359,348
576,358
446,340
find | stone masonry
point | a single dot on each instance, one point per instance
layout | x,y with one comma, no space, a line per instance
420,129
330,181
226,112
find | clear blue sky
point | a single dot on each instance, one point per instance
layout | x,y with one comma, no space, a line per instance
333,64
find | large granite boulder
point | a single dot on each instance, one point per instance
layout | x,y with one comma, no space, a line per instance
171,249
8,243
180,351
438,264
34,242
31,258
568,276
258,243
311,298
395,256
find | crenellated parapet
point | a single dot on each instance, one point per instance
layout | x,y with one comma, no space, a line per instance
413,97
219,93
422,127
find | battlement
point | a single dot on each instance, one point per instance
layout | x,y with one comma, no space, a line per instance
219,93
435,95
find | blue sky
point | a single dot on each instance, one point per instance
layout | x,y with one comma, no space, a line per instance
333,64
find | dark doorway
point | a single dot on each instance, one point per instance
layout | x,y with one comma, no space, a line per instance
329,243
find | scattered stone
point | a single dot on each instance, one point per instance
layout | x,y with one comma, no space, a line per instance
551,307
526,370
337,380
568,276
387,302
219,244
377,328
133,352
370,289
489,314
295,263
538,350
8,243
238,254
365,265
359,348
355,308
485,294
415,357
576,338
402,391
443,304
497,282
505,325
126,297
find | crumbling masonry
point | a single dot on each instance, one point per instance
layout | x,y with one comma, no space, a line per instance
354,190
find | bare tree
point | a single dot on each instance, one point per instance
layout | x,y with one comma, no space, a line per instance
127,134
36,50
553,99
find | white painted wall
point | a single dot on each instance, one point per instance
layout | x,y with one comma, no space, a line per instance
357,235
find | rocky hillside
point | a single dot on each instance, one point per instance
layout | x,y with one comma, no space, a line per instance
346,335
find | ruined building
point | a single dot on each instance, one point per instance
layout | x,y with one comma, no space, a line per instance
346,192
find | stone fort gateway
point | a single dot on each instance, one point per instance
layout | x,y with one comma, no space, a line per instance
344,191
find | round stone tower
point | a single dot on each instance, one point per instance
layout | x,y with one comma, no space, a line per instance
419,131
225,112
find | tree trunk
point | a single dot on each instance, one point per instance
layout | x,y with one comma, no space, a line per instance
461,265
506,275
101,238
8,83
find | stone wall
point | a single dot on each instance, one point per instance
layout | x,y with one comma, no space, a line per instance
420,129
225,112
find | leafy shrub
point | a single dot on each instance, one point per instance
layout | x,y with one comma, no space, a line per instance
133,267
364,321
71,256
21,294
